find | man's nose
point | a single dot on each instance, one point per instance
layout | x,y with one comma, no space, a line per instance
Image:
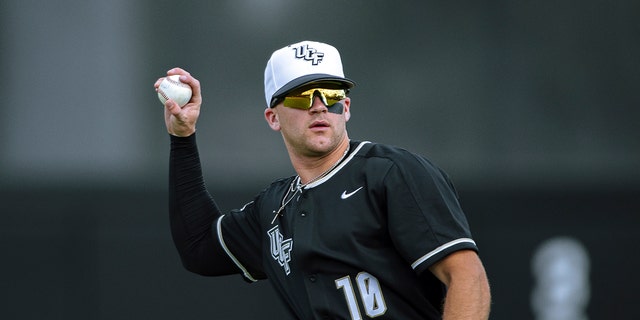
318,105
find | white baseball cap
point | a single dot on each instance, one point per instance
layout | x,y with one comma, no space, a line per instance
300,65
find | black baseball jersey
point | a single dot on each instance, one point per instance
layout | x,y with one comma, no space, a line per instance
356,244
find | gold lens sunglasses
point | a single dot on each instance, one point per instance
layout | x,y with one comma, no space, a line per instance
304,100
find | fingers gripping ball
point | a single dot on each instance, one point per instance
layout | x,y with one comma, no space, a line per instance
172,88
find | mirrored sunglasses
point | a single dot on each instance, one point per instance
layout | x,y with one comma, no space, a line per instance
304,100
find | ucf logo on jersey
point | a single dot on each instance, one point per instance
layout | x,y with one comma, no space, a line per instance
280,248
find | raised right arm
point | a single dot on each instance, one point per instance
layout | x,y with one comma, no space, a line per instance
192,210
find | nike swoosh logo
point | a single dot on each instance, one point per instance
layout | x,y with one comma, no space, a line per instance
347,195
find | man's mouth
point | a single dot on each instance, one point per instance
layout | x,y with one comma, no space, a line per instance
319,124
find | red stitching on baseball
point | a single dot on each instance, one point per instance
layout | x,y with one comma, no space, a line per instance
163,94
177,83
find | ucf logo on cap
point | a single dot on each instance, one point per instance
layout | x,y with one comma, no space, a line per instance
309,54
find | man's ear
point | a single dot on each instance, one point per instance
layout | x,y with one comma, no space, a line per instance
347,106
272,119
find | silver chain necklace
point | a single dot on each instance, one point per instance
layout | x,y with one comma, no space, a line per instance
296,187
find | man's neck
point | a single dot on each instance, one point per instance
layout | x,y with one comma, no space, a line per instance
311,169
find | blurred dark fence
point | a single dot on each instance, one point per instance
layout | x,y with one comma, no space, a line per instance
99,253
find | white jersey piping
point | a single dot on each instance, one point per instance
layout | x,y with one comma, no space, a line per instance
224,246
440,249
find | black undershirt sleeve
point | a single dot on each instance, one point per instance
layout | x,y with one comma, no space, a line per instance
193,212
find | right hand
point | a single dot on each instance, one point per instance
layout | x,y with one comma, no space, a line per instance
181,122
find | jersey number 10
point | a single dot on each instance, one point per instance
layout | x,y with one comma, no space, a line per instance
370,294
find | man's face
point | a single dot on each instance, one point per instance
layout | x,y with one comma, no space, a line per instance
312,132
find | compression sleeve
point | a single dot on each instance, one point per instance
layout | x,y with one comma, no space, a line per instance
192,212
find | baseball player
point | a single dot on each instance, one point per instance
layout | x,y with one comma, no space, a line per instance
363,230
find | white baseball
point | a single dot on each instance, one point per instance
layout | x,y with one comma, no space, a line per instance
172,88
